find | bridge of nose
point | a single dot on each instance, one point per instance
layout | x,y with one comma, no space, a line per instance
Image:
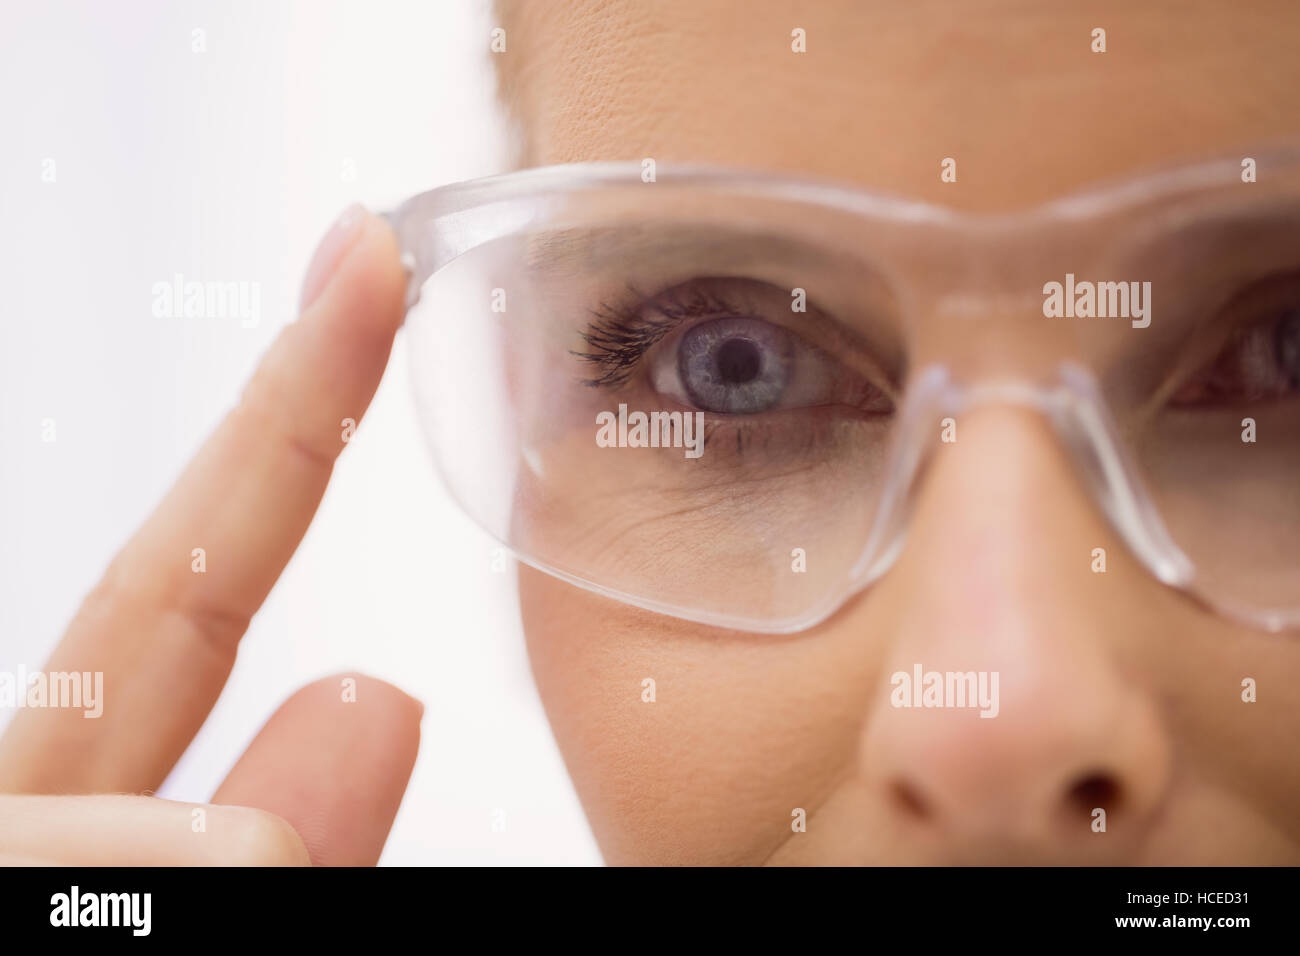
997,577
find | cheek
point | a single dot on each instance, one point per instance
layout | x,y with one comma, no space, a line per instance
741,730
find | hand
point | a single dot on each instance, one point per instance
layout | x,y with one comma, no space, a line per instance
322,781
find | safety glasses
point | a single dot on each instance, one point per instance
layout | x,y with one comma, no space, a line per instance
711,392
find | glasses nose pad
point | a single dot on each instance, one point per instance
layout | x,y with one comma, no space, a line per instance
1078,413
930,392
1080,416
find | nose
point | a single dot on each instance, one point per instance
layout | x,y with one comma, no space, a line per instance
1006,717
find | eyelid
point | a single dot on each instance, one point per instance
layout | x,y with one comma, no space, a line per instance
818,377
1251,311
746,297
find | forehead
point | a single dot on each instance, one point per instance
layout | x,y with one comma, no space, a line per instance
1010,89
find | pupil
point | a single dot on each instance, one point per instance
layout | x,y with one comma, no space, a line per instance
738,361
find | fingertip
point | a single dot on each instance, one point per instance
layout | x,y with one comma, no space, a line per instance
331,249
323,370
334,761
364,279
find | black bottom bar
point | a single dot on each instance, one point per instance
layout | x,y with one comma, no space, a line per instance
990,905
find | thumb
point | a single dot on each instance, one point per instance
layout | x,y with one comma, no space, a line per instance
334,762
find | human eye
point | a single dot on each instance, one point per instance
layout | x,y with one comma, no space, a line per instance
1260,360
727,346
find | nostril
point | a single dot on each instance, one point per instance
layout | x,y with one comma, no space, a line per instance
909,800
1094,790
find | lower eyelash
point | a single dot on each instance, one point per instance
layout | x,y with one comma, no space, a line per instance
620,335
736,439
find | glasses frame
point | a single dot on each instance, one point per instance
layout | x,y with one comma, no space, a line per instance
435,227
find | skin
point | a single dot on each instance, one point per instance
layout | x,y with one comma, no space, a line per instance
1116,692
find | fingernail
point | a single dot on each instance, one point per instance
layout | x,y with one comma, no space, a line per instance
330,252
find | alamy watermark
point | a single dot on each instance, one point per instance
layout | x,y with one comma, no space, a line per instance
946,689
73,690
132,911
626,429
1102,300
181,299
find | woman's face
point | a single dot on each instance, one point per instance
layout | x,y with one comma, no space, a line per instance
1116,692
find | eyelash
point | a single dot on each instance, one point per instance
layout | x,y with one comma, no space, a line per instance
620,334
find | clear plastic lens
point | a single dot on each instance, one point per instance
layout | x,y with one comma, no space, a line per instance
670,436
711,398
1232,504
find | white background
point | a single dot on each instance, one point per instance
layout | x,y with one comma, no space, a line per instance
227,165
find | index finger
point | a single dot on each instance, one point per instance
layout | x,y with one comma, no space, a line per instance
164,622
